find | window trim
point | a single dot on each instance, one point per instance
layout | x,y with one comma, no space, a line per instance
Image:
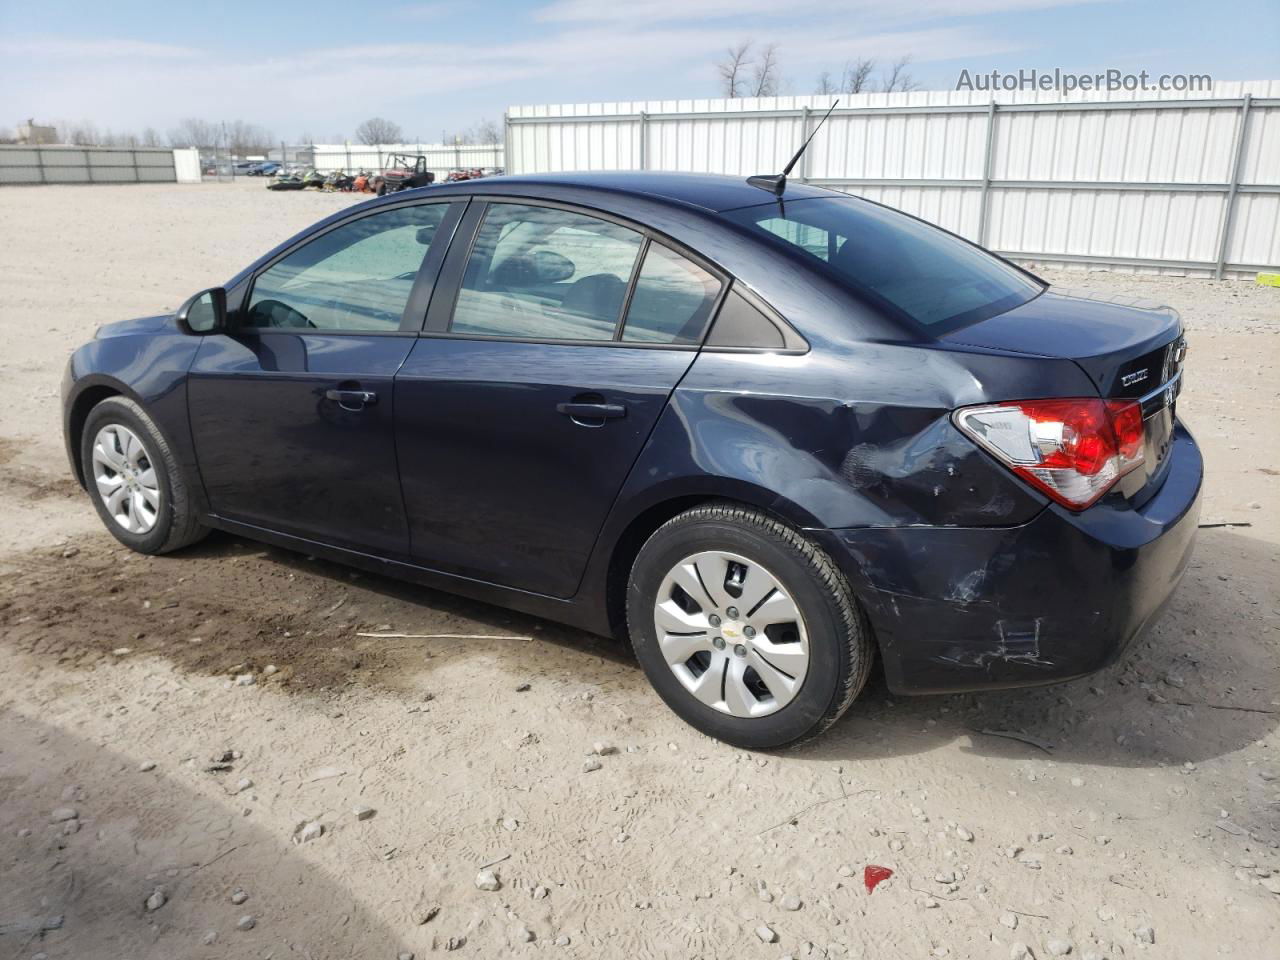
426,278
449,286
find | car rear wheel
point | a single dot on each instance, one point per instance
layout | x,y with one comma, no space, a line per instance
745,628
134,481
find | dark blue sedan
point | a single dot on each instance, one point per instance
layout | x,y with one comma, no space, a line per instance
763,436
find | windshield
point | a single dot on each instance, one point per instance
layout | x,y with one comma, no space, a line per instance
931,277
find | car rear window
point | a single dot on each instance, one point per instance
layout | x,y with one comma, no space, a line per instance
916,270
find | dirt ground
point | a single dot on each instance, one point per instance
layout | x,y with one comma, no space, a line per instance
132,762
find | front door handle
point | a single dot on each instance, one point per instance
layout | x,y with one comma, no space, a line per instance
352,399
592,411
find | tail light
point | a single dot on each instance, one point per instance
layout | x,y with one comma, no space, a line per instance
1072,449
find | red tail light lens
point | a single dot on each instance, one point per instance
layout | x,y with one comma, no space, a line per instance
1073,449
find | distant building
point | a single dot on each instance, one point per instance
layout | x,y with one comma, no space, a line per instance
31,132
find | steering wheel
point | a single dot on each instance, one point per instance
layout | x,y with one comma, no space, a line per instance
277,313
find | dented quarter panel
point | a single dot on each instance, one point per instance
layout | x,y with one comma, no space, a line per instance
1053,598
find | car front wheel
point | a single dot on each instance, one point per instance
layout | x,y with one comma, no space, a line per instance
134,481
745,628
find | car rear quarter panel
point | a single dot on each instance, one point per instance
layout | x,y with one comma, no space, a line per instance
855,437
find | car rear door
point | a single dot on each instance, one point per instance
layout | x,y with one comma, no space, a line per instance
292,410
552,345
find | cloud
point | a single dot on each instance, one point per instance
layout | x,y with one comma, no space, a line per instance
61,48
424,11
687,11
660,49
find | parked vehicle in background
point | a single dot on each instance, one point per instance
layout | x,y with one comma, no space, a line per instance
338,181
458,174
765,436
286,181
243,167
267,168
403,172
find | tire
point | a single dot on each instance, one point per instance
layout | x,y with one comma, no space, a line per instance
174,524
828,636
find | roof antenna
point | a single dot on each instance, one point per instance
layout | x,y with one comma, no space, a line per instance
777,183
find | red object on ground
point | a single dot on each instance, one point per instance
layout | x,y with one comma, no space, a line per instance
873,875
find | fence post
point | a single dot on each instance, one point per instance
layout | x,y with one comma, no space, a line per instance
804,135
506,143
644,140
1233,189
346,144
88,164
40,163
988,158
137,174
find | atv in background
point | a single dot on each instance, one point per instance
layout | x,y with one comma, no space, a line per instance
403,172
285,181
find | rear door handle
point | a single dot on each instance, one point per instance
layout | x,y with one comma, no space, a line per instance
352,399
592,411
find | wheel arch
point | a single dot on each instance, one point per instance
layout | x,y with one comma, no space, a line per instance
644,519
89,393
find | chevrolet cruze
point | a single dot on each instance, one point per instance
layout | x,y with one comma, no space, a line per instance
764,434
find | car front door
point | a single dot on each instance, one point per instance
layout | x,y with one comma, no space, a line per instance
523,407
292,410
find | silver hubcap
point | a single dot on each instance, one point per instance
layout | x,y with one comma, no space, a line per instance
731,634
126,478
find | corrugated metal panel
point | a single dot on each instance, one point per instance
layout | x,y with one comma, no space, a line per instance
1130,162
58,164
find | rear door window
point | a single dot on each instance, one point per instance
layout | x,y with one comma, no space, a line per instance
673,299
540,273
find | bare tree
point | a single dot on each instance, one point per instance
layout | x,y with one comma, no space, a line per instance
82,133
193,132
150,138
733,69
857,75
764,76
825,84
376,130
245,138
897,80
7,135
488,133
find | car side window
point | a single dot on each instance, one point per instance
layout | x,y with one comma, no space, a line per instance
672,301
355,278
540,273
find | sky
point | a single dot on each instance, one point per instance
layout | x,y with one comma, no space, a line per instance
314,69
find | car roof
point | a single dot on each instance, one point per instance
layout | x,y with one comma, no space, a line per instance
710,192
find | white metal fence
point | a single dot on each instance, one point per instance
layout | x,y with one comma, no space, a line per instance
1169,184
441,157
50,164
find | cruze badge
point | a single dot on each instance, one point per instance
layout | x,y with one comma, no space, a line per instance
1129,379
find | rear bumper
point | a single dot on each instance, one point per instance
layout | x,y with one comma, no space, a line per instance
1061,596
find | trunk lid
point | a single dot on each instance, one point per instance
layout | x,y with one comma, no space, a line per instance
1129,348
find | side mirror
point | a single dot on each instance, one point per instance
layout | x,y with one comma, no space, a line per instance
204,313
